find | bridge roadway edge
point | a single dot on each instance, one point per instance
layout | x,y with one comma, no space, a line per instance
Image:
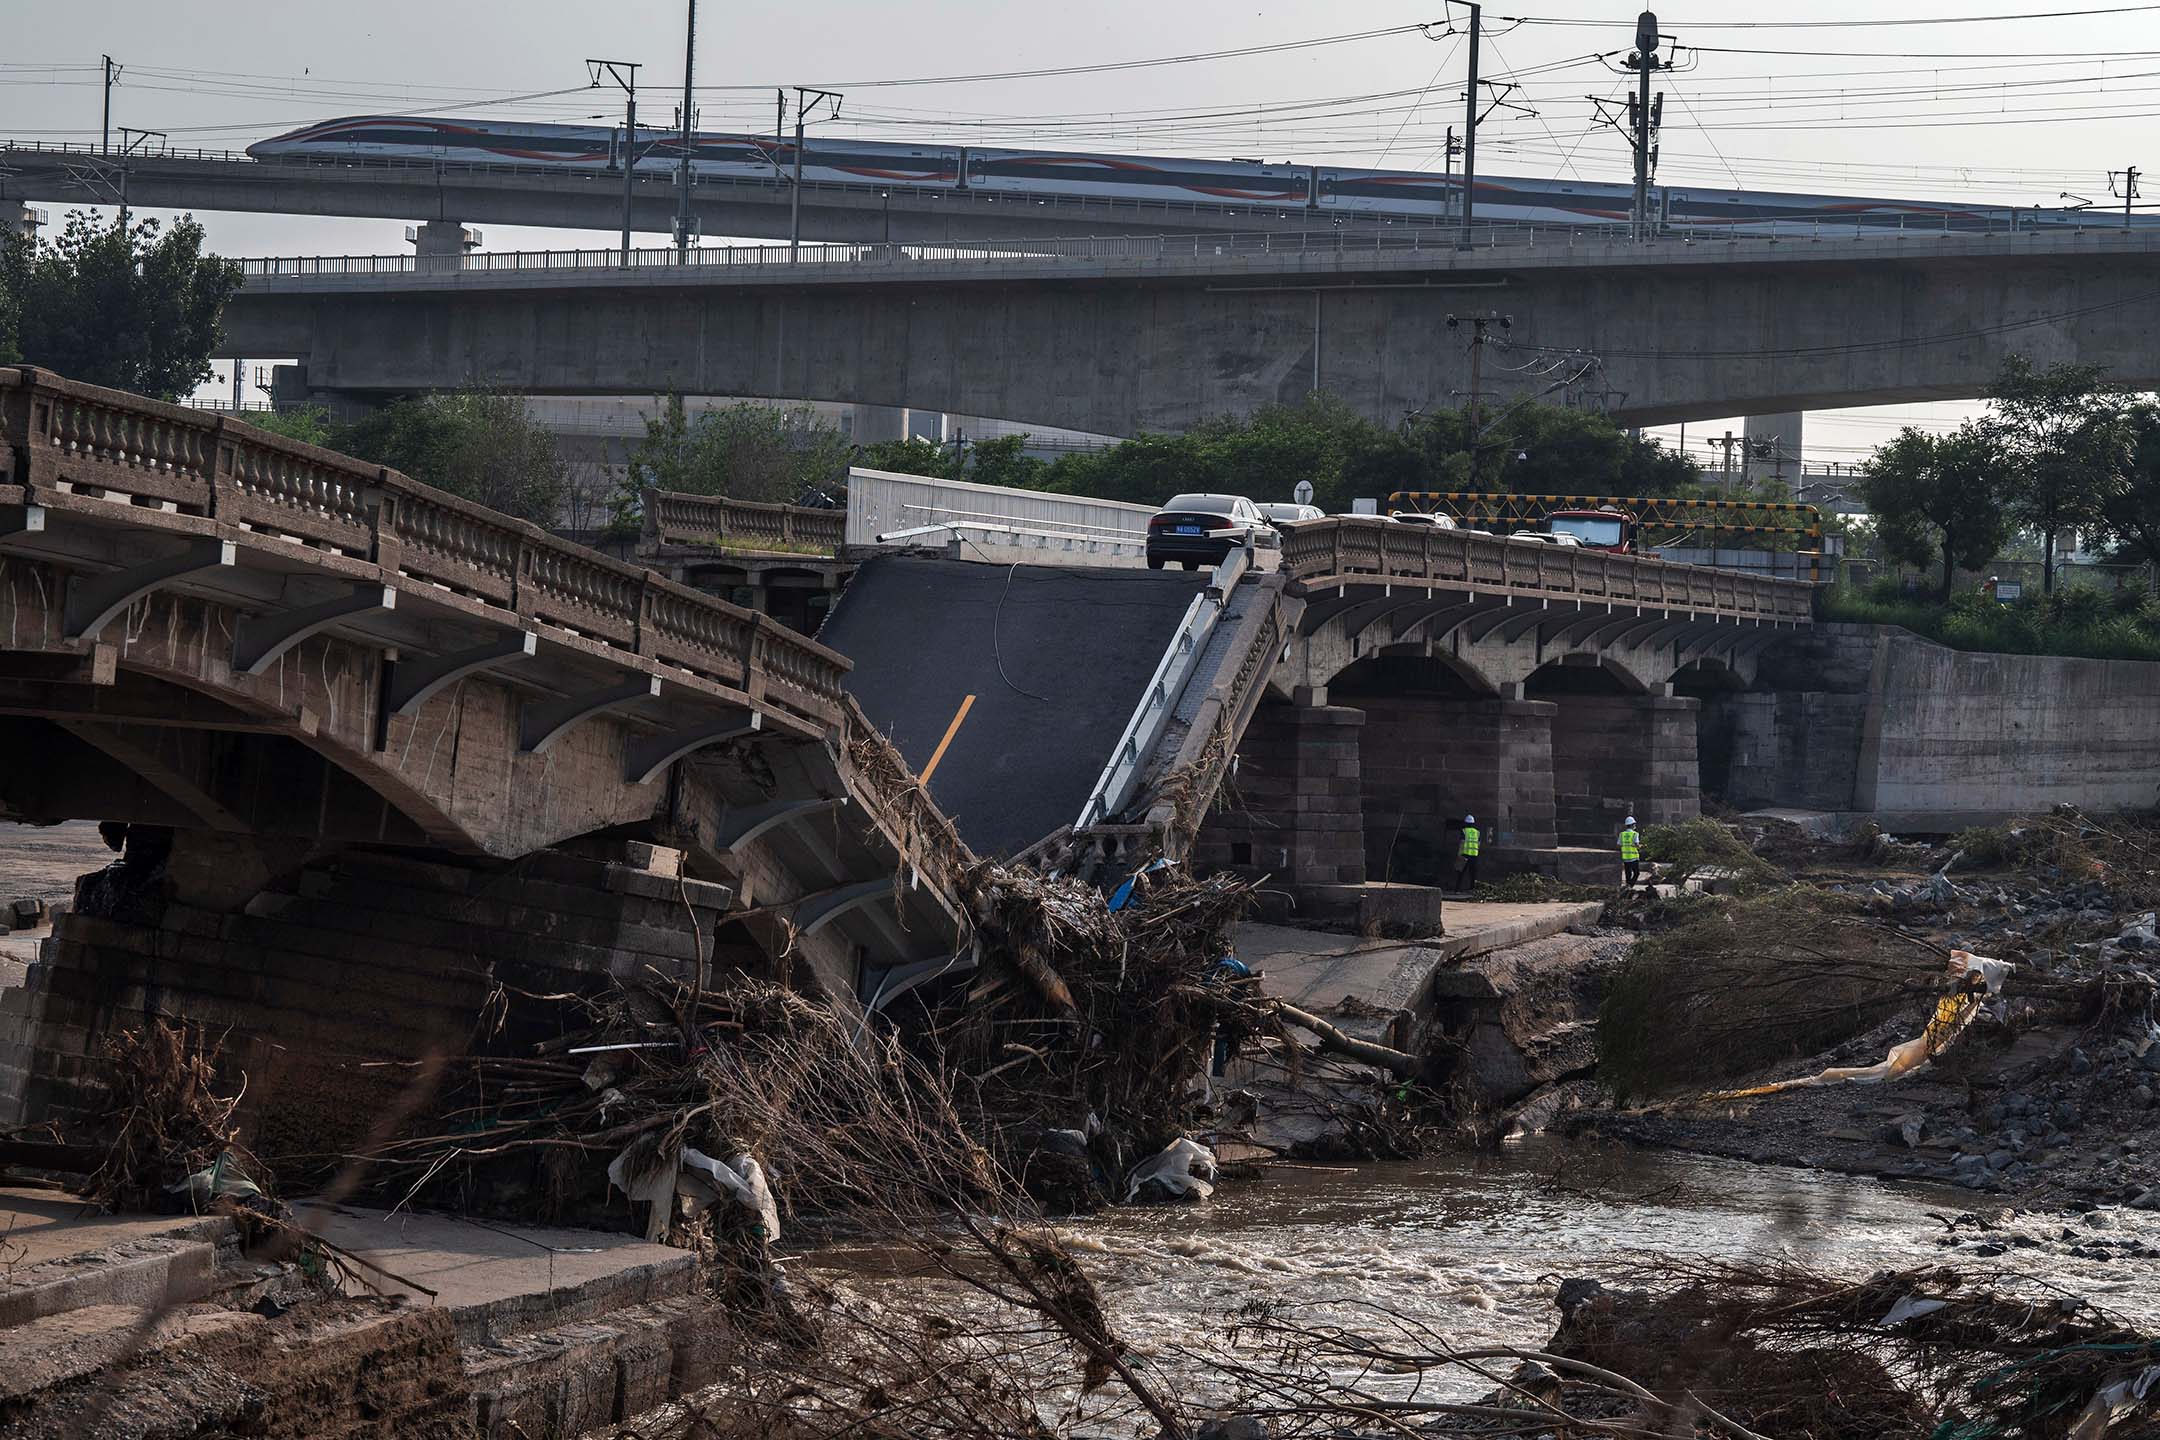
1120,346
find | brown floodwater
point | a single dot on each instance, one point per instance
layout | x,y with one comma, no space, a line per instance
1473,1247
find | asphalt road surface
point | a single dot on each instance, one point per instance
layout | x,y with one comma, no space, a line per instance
1041,666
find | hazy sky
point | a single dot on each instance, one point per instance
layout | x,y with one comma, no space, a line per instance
1823,97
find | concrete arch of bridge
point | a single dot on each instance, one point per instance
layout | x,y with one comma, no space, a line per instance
1586,672
1412,670
1705,675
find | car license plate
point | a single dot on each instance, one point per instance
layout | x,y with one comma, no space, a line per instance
1187,530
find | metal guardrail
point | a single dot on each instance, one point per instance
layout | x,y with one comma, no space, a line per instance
179,467
1203,762
1114,788
1352,550
674,517
1222,245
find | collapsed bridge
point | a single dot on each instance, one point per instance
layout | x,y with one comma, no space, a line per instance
402,750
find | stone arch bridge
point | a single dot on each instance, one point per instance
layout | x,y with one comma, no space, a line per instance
1550,691
303,668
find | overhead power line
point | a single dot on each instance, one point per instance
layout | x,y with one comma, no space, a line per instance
1427,28
1606,22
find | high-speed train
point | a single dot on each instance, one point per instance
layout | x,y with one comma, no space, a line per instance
1283,187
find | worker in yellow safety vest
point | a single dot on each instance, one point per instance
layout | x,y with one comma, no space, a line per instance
1466,875
1631,853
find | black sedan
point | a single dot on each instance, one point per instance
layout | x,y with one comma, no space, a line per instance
1196,530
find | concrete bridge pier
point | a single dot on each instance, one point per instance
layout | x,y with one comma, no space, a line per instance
443,244
332,977
1619,755
1369,779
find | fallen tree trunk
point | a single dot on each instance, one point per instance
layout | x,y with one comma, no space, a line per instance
1370,1052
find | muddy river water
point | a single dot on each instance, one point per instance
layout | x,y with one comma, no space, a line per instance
1474,1247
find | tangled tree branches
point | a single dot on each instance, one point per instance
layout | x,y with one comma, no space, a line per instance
1751,984
2120,854
1810,1356
1083,1009
165,1119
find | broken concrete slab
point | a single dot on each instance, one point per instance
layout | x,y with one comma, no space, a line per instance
1317,971
497,1278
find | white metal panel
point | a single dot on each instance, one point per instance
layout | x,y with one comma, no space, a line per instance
883,501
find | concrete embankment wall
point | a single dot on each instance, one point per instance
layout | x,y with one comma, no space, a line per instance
1875,720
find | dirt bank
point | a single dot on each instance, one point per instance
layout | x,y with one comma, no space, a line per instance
2049,1092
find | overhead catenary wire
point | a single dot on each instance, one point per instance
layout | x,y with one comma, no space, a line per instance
1605,22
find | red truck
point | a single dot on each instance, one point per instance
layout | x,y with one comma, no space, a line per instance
1605,528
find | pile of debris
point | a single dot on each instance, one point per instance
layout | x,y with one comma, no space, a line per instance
1791,1352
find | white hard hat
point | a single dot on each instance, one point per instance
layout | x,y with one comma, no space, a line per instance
1631,819
1469,819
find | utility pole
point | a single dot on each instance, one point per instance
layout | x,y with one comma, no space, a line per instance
623,73
1478,324
2129,190
1469,144
130,140
1645,115
682,208
112,73
805,97
779,127
1727,445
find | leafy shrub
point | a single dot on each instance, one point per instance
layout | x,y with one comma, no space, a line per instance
1750,985
1694,846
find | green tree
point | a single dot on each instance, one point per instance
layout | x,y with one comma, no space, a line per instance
14,262
309,423
1005,461
1939,496
2063,435
2130,510
1525,447
137,309
745,452
912,456
479,444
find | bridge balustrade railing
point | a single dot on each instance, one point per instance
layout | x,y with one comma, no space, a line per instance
674,517
172,467
1355,548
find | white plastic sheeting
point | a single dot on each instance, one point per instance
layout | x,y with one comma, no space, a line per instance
1183,1169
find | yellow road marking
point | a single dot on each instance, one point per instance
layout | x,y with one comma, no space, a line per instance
950,731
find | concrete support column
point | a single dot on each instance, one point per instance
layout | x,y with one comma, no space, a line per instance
875,423
1620,755
1522,807
1672,787
1773,446
443,244
1301,812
